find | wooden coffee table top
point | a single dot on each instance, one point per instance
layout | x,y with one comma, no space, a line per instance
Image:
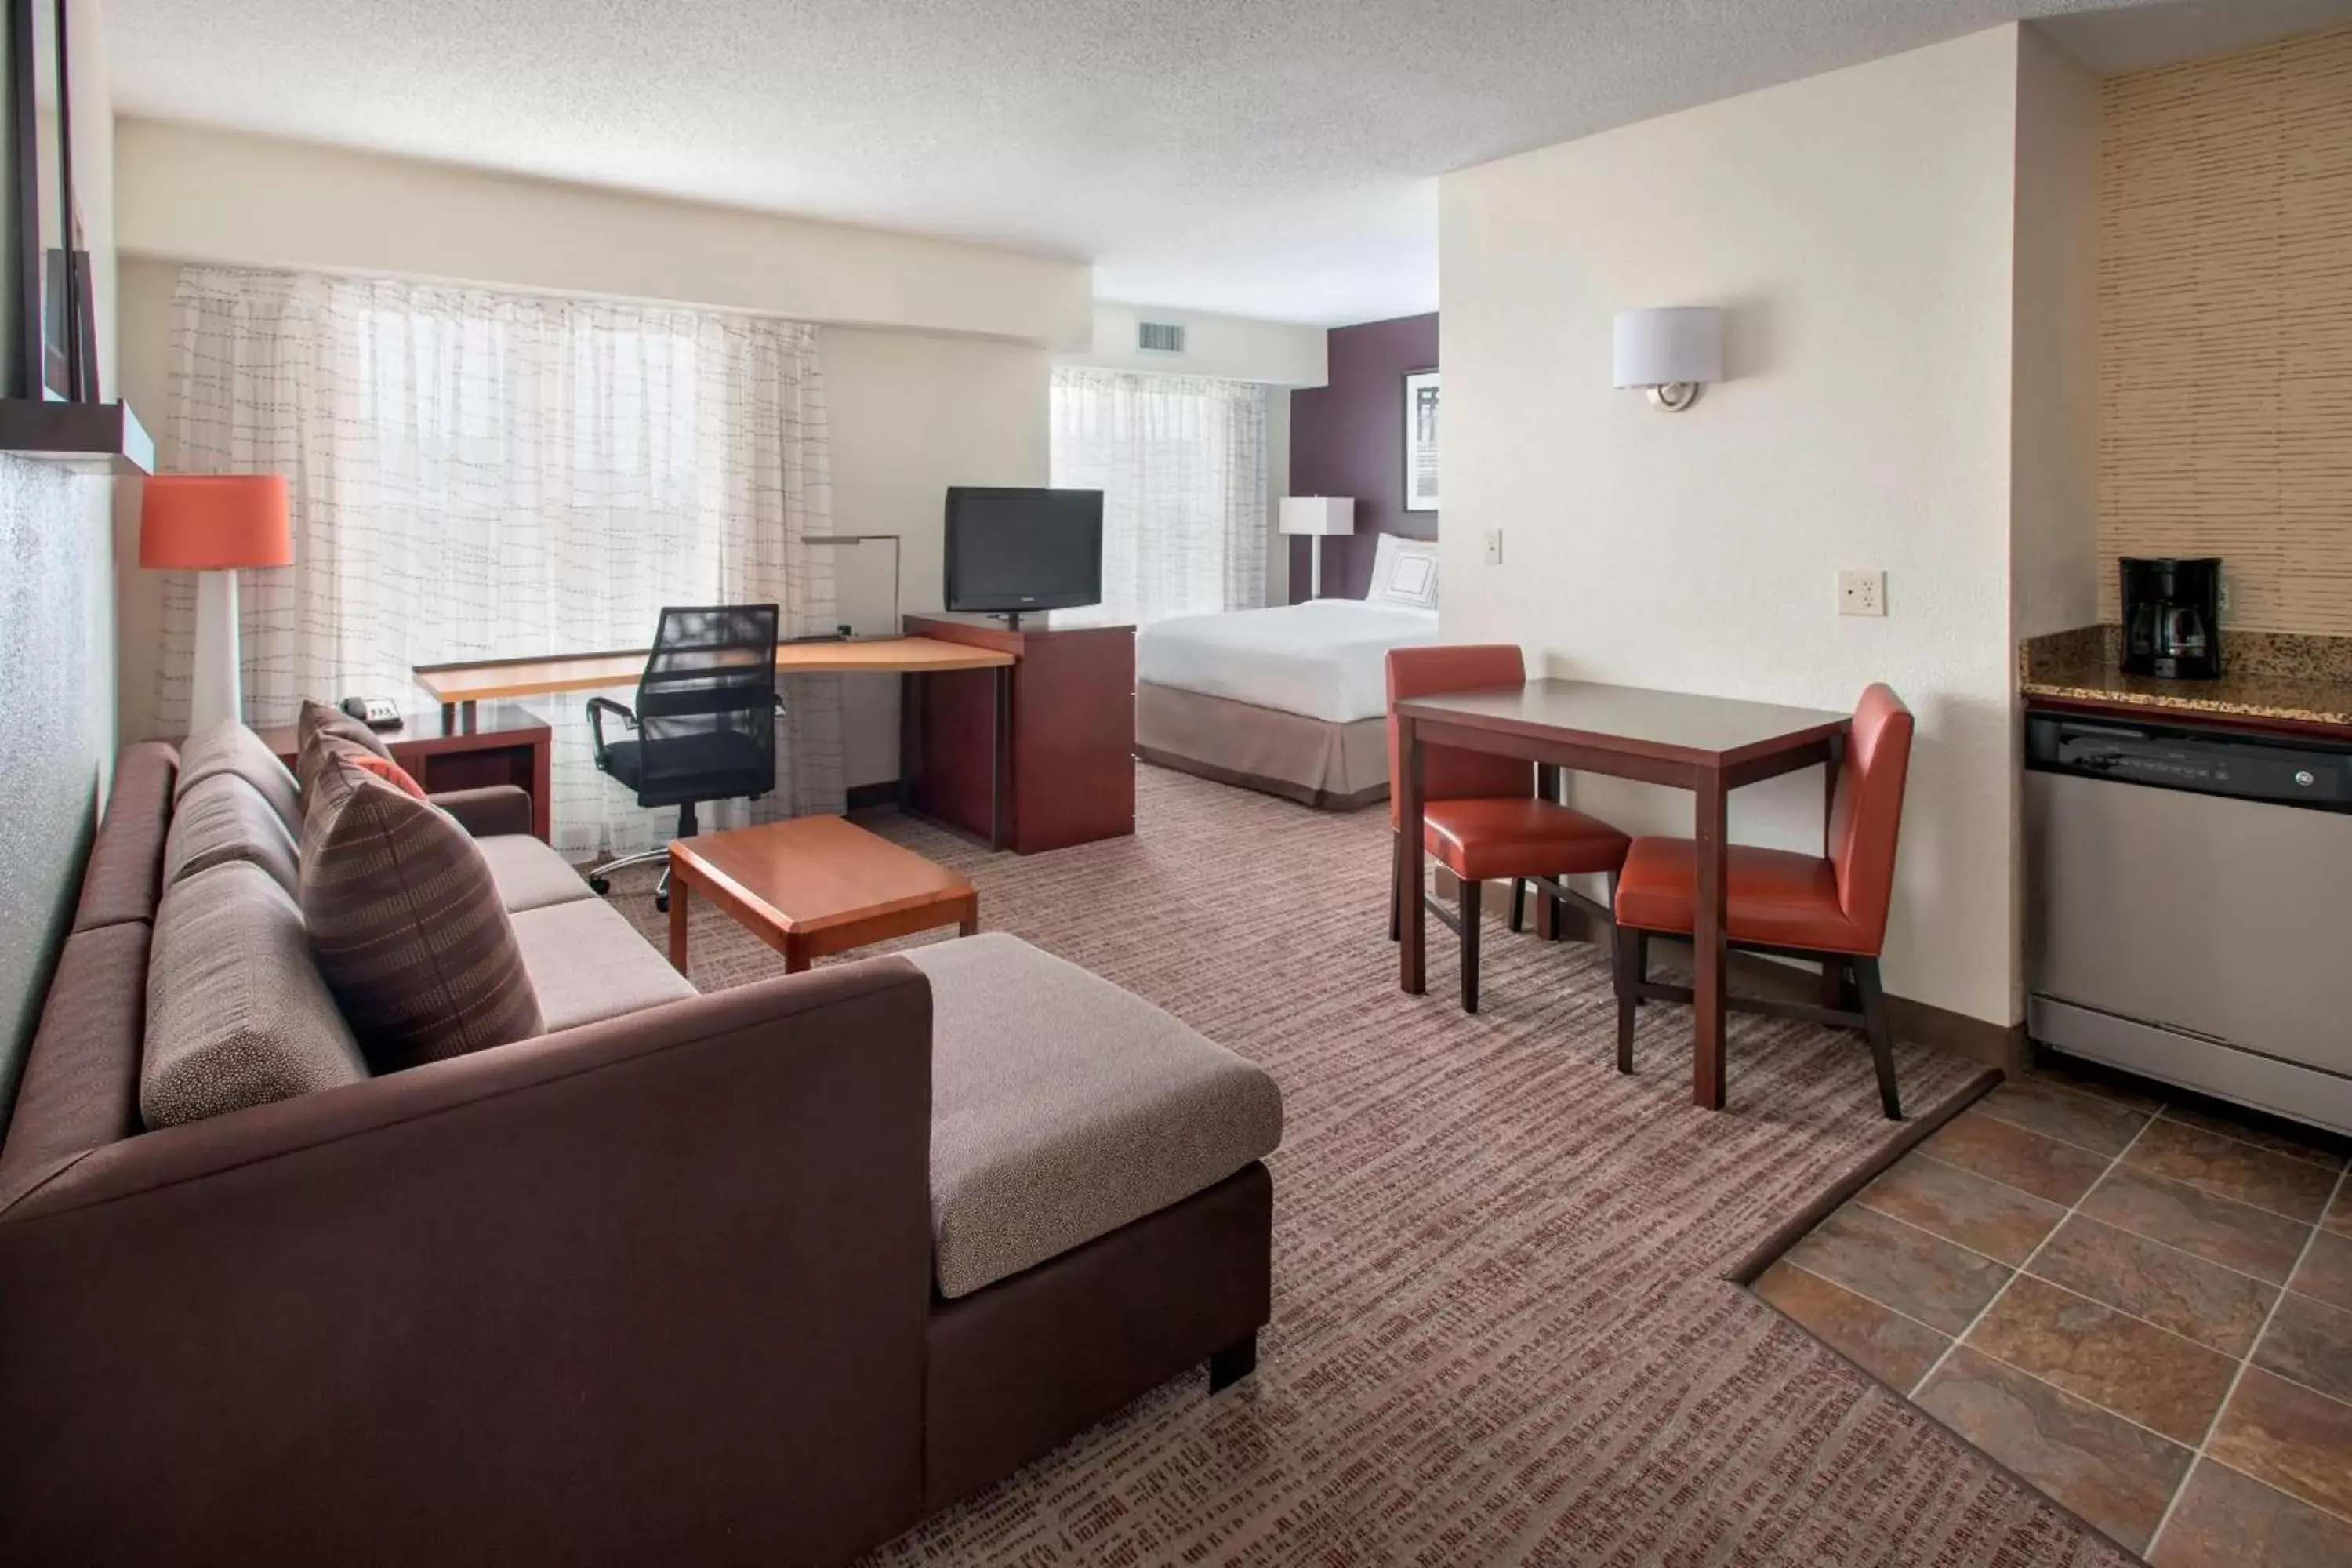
810,874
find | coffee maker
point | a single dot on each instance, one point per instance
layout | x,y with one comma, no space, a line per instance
2172,618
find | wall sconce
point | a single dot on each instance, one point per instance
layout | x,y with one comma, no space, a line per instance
1670,353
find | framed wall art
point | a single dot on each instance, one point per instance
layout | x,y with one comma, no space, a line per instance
1421,441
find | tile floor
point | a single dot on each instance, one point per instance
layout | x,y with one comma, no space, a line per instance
2141,1306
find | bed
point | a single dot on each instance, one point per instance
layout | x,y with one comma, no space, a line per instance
1292,700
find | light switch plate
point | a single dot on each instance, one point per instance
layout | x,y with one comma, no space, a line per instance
1862,593
1494,547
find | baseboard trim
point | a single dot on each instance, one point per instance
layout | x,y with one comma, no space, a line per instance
2005,1049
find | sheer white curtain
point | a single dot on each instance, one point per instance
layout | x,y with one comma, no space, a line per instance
1180,461
483,475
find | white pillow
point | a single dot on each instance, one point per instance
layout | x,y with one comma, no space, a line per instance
1404,571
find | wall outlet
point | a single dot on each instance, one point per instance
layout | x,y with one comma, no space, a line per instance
2227,612
1862,593
1494,547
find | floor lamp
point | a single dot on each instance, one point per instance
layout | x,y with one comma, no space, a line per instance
1319,517
213,525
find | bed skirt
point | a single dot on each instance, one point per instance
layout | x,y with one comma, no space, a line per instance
1334,767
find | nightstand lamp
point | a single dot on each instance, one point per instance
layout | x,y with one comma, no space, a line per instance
1319,517
213,525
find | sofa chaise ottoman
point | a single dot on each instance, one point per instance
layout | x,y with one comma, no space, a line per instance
759,1277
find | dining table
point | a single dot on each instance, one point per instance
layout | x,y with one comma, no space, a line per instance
1706,745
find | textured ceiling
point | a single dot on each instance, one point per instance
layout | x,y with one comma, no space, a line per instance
1264,157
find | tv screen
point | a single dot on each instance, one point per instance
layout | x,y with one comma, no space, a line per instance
1014,549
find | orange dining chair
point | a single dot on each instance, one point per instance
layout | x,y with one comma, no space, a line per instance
1481,817
1831,909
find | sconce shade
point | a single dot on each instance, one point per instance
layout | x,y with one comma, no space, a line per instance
1680,345
1321,515
212,522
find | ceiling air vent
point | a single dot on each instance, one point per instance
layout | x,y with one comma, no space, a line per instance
1160,337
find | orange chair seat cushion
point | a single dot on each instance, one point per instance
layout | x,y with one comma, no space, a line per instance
1486,840
1770,896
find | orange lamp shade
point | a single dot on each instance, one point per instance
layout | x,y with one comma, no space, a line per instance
210,522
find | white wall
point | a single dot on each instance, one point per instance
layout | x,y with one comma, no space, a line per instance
1859,226
196,194
2055,406
951,390
2053,421
1235,348
143,295
911,416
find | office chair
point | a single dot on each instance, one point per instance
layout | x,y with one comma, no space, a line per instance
706,722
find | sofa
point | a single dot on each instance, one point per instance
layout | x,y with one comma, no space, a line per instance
764,1276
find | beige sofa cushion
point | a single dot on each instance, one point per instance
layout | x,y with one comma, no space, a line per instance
229,747
224,818
587,963
1063,1108
530,874
406,926
236,1014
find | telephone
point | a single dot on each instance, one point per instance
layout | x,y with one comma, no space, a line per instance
375,712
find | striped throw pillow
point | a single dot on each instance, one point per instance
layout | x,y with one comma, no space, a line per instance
406,925
319,719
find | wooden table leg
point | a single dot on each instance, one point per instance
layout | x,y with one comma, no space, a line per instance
1547,910
542,788
796,954
969,925
1410,868
678,897
1706,936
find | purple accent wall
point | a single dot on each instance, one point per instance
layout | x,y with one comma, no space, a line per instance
1348,439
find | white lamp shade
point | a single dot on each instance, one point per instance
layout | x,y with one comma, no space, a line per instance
1680,344
1321,515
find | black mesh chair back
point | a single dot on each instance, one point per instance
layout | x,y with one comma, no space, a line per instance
707,706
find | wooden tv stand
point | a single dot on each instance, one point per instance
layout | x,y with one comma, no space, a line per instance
1069,749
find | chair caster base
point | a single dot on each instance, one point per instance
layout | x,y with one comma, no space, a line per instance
600,885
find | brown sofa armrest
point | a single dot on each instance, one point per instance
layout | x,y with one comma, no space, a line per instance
486,812
653,1288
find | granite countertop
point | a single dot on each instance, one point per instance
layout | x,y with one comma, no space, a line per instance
2267,675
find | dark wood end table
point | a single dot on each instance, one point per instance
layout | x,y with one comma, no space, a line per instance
503,743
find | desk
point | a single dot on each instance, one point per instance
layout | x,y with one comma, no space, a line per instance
1708,745
459,687
1067,735
505,744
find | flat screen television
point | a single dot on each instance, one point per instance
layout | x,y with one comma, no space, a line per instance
1011,551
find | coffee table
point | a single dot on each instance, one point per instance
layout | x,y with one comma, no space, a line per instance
814,885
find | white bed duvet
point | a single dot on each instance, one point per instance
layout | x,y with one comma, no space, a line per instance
1324,658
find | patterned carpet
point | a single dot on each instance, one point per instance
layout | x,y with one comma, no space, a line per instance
1501,1332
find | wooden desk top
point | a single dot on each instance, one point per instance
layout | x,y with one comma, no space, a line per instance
484,680
1674,726
812,873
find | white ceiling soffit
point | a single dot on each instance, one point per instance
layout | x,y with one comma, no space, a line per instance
2136,38
1269,158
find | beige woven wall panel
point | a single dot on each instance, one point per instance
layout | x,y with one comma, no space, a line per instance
2225,327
